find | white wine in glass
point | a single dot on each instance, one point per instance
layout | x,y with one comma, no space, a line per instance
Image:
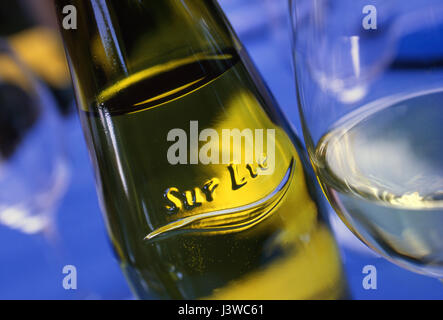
370,91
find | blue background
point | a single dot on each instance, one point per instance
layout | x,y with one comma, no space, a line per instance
31,267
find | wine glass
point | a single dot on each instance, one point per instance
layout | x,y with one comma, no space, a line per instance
370,92
33,170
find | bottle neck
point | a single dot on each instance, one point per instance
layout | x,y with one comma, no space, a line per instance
118,38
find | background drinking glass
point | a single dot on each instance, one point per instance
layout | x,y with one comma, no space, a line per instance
370,88
33,171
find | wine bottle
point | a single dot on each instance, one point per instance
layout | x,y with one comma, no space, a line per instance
160,86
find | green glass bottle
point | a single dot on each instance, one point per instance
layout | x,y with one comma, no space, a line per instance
159,85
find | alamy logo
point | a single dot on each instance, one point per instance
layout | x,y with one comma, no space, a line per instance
230,146
370,280
70,280
370,20
70,20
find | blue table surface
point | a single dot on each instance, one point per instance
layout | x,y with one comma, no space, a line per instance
31,268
